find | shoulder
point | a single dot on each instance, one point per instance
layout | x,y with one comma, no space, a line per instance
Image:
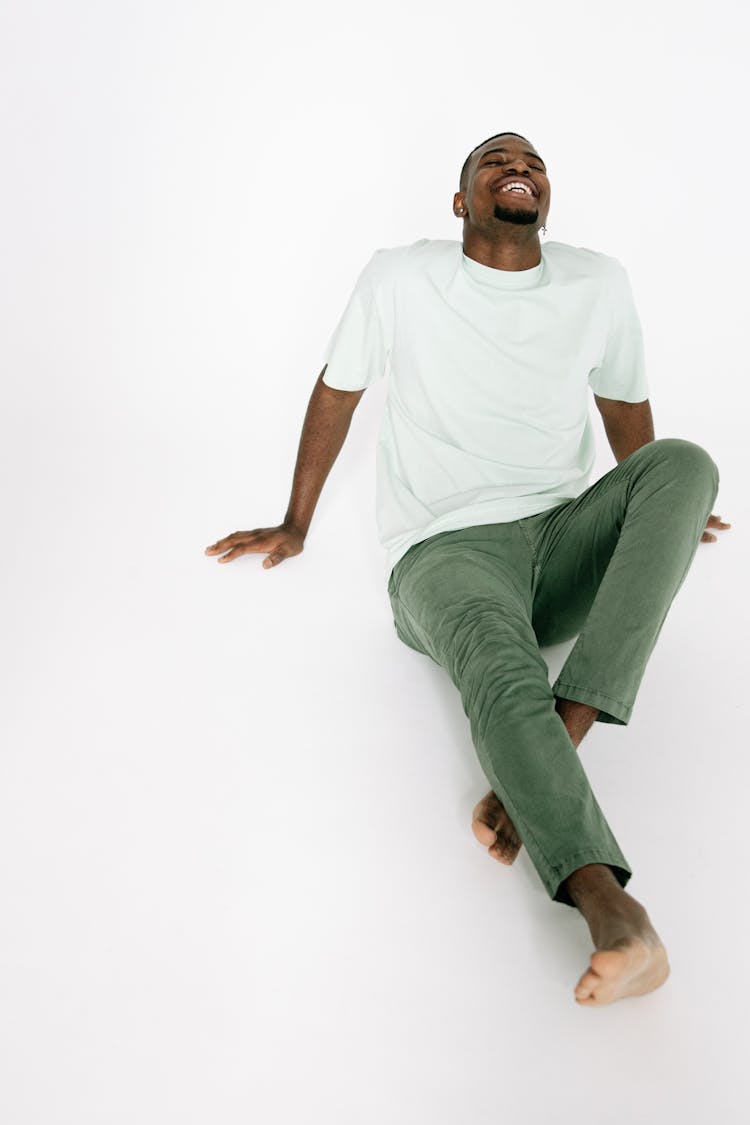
583,261
389,261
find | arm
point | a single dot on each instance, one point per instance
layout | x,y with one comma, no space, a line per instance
628,425
327,421
329,414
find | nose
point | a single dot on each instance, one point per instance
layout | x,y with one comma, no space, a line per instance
518,162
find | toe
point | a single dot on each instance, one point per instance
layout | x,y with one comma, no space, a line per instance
488,808
584,990
493,827
505,848
484,832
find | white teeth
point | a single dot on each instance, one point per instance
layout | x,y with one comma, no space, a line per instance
517,187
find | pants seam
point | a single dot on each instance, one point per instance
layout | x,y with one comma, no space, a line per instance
530,543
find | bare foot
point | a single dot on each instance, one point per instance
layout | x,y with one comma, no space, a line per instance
493,827
630,958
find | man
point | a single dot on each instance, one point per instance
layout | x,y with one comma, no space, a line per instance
496,542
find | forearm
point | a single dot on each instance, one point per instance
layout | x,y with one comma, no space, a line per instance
327,421
632,427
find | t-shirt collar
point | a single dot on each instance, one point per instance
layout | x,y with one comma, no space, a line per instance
503,279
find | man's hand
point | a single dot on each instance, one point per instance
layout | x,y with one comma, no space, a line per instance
282,541
713,521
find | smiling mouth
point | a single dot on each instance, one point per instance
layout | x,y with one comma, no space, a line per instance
511,191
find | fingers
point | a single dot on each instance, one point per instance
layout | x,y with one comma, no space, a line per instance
221,544
244,542
273,559
246,548
236,544
713,521
236,552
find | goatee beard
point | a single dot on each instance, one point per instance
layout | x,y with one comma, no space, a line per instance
521,215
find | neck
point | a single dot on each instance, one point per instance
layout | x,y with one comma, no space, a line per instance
519,249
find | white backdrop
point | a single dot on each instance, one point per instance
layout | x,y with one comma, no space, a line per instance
237,874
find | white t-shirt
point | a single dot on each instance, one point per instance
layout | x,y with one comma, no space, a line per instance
487,409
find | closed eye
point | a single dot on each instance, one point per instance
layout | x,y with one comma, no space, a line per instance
534,166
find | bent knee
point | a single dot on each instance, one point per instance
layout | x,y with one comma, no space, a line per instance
686,457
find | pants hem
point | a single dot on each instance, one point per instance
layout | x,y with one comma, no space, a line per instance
556,885
610,710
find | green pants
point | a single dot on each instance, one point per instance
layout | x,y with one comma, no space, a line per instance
604,567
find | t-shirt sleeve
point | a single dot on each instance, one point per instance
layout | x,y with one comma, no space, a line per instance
357,352
621,373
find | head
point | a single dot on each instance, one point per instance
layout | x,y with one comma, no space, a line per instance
483,204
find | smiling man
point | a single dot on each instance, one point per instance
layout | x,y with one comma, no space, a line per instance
497,543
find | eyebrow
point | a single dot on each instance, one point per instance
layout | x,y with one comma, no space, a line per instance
535,155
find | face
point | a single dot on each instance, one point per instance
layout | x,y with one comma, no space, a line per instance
485,202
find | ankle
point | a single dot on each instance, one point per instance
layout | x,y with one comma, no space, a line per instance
591,882
577,718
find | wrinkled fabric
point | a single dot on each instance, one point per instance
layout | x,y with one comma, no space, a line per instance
603,567
487,412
